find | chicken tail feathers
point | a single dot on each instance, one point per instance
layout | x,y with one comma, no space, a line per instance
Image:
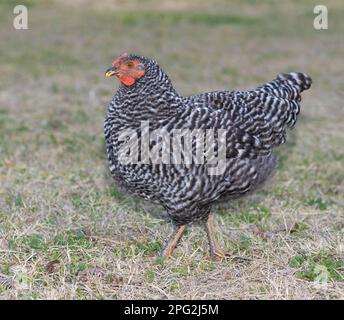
299,80
280,100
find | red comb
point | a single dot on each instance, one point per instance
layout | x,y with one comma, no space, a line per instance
117,61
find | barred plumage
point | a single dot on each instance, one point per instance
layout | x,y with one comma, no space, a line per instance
255,121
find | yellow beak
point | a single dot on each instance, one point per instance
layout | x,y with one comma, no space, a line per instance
110,72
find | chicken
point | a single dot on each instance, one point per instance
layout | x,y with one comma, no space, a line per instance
190,153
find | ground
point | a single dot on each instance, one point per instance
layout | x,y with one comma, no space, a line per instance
67,232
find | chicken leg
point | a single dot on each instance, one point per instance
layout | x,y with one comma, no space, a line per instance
173,241
215,252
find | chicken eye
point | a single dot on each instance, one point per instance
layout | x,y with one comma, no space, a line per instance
140,66
130,64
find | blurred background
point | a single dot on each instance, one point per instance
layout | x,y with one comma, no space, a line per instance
67,232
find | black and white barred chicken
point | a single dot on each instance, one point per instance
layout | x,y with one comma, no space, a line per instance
252,123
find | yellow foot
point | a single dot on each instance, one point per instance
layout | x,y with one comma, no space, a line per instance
217,255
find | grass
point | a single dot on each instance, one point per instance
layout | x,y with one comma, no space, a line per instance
173,18
66,232
318,268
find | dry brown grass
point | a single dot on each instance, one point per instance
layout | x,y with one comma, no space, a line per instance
67,233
